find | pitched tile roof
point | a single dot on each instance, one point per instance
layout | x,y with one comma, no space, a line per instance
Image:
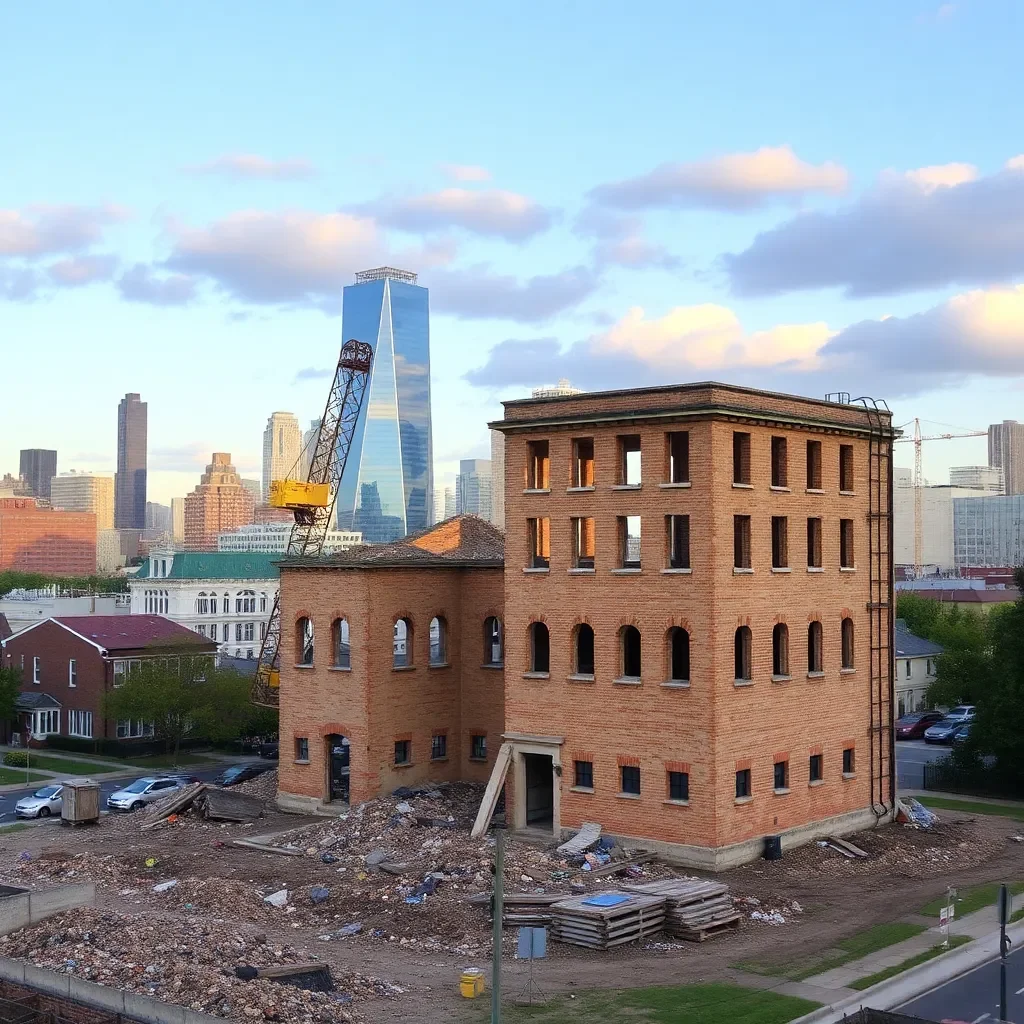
910,646
133,632
220,565
5,627
33,701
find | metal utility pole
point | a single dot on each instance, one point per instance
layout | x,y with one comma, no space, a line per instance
1004,947
498,910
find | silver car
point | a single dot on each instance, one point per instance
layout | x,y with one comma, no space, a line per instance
141,792
41,804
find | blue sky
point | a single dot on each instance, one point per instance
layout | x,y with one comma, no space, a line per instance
801,196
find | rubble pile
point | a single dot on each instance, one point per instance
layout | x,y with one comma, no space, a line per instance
263,787
189,963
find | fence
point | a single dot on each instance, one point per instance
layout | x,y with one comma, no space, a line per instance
946,777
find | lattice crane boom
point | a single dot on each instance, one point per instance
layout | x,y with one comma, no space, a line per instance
312,501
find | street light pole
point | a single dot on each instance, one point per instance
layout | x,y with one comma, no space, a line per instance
497,905
1004,943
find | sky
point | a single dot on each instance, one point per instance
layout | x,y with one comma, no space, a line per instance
799,196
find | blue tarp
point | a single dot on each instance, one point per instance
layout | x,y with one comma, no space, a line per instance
607,899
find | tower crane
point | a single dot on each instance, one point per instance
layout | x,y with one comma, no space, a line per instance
919,482
312,500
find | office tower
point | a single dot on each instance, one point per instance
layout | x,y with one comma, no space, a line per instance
473,488
178,520
978,478
449,502
85,492
130,482
1006,452
389,475
498,479
254,487
308,445
38,466
218,503
282,444
56,543
158,517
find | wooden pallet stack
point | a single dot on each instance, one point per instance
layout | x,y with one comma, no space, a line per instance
696,909
582,922
520,909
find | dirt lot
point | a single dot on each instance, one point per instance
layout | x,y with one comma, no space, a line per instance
416,929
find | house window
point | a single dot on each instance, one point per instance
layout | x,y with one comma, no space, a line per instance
120,671
629,542
583,462
37,669
540,648
678,537
72,672
402,644
741,542
846,543
847,638
493,654
340,644
80,724
238,632
679,785
781,775
403,752
303,640
743,784
814,465
741,645
846,467
740,457
213,630
629,460
582,543
780,650
203,603
928,667
245,603
248,634
301,748
438,633
780,542
478,747
263,602
584,650
814,660
537,466
629,639
539,537
201,630
46,722
583,774
849,764
910,666
630,779
227,603
813,543
438,747
815,768
679,655
677,443
130,729
780,470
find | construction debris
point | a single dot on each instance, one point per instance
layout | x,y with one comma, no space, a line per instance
587,837
607,919
212,802
695,908
913,813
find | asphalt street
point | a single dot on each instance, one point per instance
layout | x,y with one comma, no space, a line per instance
974,997
911,757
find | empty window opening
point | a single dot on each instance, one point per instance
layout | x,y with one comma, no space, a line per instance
629,542
630,641
537,466
741,652
402,645
678,655
740,457
814,658
540,542
340,643
303,640
540,648
780,542
630,779
846,559
679,785
847,637
438,641
583,462
584,650
849,764
629,460
301,748
815,768
846,467
813,543
678,444
780,469
678,530
403,752
478,747
583,774
493,653
37,669
73,672
741,542
438,747
583,543
814,465
780,650
743,784
781,780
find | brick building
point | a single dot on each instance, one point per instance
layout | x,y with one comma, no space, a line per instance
219,502
696,620
45,540
68,663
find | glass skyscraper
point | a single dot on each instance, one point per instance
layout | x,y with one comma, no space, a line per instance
388,480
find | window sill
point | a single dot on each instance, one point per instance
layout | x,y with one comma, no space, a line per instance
814,490
626,572
782,791
580,490
403,668
682,484
676,803
815,782
676,572
536,490
305,668
580,677
847,671
440,664
743,682
740,800
742,487
627,681
739,570
439,760
815,675
676,684
781,568
815,568
536,568
847,568
781,679
478,760
582,572
405,764
626,487
627,796
581,789
536,675
849,775
498,666
780,488
849,494
339,668
300,760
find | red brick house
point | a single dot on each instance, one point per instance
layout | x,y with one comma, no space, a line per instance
69,663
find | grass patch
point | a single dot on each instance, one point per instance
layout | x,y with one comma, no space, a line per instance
15,826
977,897
67,767
853,947
1017,915
11,776
974,807
676,1004
873,979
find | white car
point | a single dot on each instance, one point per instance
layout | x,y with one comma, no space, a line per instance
142,792
41,804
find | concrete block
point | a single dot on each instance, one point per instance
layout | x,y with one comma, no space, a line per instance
152,1011
44,903
99,996
12,970
14,913
48,981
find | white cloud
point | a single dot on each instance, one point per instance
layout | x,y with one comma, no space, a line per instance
251,165
77,271
620,241
466,172
140,284
942,175
47,229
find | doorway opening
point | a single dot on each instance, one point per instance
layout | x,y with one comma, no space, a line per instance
338,767
540,791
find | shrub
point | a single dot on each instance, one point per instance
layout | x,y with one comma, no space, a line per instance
16,759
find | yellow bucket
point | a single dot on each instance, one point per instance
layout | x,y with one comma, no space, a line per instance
471,984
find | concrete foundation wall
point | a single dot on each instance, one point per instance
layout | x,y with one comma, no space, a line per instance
32,906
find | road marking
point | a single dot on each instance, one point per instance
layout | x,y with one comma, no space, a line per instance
1020,990
978,1020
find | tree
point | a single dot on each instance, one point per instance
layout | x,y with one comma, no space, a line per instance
10,687
11,580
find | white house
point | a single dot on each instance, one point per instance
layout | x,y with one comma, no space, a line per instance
916,662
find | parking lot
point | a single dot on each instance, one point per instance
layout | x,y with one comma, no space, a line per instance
911,757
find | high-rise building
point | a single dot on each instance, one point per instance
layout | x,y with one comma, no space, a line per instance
37,467
987,531
473,488
936,507
254,487
308,444
178,520
274,537
158,517
449,502
218,503
130,482
498,479
14,487
388,478
282,446
85,492
57,543
1006,452
978,478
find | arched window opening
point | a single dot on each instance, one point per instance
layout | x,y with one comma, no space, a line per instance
341,649
679,655
814,654
848,658
203,603
584,650
780,650
438,641
540,648
742,645
304,641
493,653
402,656
630,642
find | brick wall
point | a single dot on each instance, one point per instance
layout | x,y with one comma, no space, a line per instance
42,540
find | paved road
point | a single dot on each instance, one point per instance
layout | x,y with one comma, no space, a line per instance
974,997
911,757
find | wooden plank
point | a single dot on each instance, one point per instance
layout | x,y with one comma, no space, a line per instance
182,799
227,805
491,793
847,845
587,836
616,866
285,851
287,970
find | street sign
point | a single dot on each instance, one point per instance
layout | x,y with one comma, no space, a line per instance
945,919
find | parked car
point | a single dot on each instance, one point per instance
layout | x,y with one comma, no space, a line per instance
270,751
942,732
41,804
243,772
961,713
962,733
141,792
912,726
